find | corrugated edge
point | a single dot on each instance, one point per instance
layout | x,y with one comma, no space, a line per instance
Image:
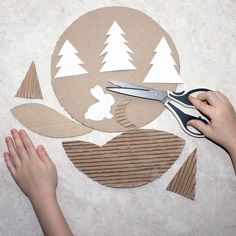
30,87
184,181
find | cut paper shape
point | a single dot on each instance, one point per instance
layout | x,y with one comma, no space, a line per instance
131,159
121,117
69,63
101,109
184,181
30,87
88,35
163,66
117,52
47,122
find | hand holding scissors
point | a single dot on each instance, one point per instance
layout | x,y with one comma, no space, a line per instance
166,98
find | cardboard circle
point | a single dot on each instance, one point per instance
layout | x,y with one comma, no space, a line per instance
88,35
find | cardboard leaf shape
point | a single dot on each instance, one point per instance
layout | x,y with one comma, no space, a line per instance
47,122
30,87
121,117
184,181
131,159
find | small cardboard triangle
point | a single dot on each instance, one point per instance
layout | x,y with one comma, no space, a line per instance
184,181
30,87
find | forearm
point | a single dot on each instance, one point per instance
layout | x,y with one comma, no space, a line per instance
233,158
232,148
50,217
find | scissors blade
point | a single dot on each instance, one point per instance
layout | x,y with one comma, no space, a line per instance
123,84
153,94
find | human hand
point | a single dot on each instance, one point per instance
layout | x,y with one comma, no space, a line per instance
222,125
31,168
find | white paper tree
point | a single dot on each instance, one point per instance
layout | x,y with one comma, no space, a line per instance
117,52
163,66
69,63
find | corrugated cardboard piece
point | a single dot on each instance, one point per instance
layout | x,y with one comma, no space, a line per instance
30,87
131,159
88,35
47,122
121,116
184,181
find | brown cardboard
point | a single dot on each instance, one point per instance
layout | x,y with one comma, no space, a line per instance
30,87
88,35
121,117
184,181
47,122
132,159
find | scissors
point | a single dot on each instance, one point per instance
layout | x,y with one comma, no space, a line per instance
166,98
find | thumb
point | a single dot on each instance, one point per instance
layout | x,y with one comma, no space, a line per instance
199,125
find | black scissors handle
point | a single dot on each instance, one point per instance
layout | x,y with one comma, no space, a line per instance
182,97
183,119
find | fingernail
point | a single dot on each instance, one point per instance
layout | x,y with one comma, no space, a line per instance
40,147
14,131
22,133
7,139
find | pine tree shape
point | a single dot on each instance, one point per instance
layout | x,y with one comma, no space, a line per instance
163,66
30,87
69,63
117,52
184,181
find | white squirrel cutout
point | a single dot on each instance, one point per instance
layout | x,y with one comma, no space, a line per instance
101,109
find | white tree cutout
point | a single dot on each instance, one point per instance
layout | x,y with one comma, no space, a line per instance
163,66
117,52
69,63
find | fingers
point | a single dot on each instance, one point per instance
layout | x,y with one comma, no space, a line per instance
29,146
220,96
12,151
22,154
210,97
223,98
199,125
9,164
43,155
201,106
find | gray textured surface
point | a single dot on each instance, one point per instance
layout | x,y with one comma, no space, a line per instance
205,35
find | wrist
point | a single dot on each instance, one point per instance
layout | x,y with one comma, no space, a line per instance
232,152
43,198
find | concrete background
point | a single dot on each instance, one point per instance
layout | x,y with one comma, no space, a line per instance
204,33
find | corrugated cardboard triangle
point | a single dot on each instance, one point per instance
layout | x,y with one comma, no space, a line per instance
184,181
30,87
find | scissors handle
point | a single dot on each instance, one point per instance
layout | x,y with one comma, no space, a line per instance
183,119
182,97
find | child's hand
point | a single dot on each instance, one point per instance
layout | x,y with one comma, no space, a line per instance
222,126
31,168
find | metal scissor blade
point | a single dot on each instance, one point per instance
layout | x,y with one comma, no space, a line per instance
152,94
123,84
